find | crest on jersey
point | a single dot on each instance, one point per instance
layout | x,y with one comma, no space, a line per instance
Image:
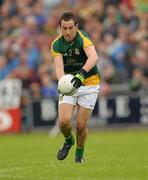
77,52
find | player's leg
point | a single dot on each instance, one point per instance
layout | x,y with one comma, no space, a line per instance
86,102
65,111
65,115
83,115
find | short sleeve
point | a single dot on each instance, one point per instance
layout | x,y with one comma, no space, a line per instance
55,50
55,47
86,40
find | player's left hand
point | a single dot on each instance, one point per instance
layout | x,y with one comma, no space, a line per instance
79,78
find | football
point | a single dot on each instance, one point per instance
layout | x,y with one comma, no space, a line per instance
65,86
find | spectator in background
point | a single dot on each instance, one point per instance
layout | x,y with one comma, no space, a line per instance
111,20
3,67
119,52
11,62
23,72
26,112
128,16
35,91
48,86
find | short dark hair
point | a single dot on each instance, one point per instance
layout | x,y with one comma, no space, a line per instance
68,16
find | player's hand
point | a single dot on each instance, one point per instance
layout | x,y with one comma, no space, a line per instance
79,78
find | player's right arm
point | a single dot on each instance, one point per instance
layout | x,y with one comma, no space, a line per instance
59,66
58,58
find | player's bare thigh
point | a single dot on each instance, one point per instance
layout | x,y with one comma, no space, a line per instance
83,114
65,112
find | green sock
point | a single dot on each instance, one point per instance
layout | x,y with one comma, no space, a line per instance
69,140
79,152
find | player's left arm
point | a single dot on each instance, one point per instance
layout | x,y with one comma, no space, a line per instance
92,58
90,63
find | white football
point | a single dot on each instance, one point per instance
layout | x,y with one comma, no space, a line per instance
65,86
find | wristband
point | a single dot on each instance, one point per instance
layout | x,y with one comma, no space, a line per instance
83,73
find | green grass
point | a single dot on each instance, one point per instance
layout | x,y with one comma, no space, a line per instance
109,156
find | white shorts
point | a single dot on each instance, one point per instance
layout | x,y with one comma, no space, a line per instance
85,96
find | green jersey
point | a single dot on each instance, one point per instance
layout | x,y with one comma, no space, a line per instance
74,56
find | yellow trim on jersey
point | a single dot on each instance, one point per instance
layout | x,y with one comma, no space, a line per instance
86,42
53,52
92,80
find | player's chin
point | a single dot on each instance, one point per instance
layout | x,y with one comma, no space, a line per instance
69,39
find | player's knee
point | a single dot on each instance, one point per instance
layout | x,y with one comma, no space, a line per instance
64,124
80,127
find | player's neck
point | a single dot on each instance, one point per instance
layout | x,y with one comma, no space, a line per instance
72,41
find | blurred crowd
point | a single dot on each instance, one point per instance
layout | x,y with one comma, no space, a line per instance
118,29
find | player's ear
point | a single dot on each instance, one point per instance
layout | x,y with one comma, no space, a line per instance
76,25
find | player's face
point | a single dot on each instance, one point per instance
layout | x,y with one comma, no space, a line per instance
69,30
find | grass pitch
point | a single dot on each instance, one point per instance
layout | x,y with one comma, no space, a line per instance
109,156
